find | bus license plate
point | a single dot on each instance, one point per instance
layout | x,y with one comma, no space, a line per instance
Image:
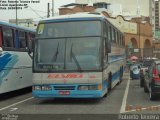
64,92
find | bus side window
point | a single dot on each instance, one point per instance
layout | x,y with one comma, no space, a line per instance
113,35
0,37
120,37
22,40
123,41
26,38
118,40
105,30
110,34
31,41
8,37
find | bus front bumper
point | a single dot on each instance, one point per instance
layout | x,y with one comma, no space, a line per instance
68,94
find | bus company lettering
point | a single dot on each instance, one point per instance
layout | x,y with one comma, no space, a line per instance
65,75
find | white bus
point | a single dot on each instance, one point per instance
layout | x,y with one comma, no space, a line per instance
77,56
15,62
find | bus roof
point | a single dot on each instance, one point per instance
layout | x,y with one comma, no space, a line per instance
16,26
77,16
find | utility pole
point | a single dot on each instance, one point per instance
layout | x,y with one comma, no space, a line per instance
48,10
16,14
52,8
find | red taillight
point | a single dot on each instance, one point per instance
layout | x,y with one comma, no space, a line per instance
156,75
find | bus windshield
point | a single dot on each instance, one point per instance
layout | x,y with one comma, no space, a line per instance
69,29
68,54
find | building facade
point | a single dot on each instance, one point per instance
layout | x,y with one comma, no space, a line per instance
148,8
137,34
129,7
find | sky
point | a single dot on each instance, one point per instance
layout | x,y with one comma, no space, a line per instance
34,10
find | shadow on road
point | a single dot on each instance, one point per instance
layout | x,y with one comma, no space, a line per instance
71,101
16,93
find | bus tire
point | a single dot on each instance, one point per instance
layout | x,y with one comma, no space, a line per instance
109,82
120,75
122,71
105,95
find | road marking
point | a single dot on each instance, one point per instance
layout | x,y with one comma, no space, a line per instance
13,109
149,108
123,107
16,103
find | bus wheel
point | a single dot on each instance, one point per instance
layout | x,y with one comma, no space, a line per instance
120,76
105,95
122,70
109,83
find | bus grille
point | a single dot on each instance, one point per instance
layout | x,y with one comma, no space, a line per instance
64,87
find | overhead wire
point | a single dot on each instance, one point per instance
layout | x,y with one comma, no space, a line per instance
35,12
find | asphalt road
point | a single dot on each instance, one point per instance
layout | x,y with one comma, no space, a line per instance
126,98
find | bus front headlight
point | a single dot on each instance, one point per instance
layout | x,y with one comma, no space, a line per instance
83,87
37,88
92,87
46,88
87,87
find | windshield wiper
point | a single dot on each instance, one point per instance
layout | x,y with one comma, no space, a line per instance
75,59
56,54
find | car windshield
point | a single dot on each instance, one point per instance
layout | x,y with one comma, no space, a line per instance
133,67
147,63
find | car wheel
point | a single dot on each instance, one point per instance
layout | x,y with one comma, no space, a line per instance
151,95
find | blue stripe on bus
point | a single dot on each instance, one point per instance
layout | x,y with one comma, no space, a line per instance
6,59
115,76
73,93
105,85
